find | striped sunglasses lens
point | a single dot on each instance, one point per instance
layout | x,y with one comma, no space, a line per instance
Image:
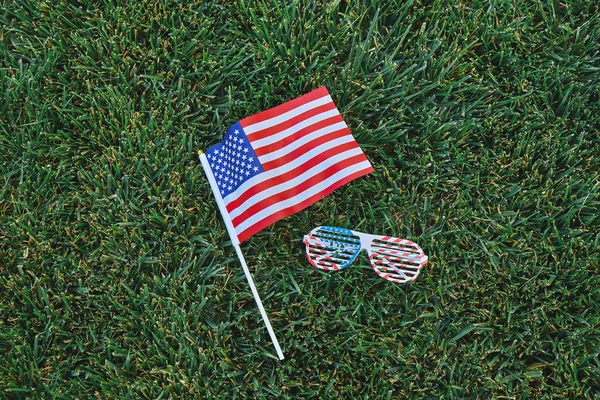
330,248
397,260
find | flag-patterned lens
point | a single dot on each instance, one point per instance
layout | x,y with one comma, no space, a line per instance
397,260
330,248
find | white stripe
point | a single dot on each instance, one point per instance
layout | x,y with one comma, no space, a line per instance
257,179
302,141
302,196
306,175
257,144
259,126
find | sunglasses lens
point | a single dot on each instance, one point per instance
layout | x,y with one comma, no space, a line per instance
330,248
397,260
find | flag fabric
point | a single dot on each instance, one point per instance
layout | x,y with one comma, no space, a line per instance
282,160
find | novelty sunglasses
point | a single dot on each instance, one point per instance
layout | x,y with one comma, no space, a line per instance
331,249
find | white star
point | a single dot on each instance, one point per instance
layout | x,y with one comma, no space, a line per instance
245,149
241,140
248,172
216,151
236,131
239,147
244,157
209,156
250,159
243,165
255,169
229,187
219,161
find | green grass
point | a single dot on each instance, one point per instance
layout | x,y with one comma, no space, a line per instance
117,277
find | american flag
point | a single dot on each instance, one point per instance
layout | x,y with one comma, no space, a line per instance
282,160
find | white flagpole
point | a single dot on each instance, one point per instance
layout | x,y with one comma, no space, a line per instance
236,245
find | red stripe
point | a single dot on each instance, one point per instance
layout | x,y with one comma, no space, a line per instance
269,165
298,135
275,129
285,107
293,191
291,174
242,236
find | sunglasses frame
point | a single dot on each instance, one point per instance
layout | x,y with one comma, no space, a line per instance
340,239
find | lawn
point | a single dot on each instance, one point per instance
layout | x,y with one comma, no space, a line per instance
118,278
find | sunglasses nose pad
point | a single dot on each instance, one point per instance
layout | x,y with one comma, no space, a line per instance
331,249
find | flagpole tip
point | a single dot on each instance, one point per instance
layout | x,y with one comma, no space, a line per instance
200,152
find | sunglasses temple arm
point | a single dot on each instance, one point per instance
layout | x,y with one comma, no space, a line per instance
236,245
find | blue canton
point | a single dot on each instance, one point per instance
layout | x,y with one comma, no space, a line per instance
233,161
